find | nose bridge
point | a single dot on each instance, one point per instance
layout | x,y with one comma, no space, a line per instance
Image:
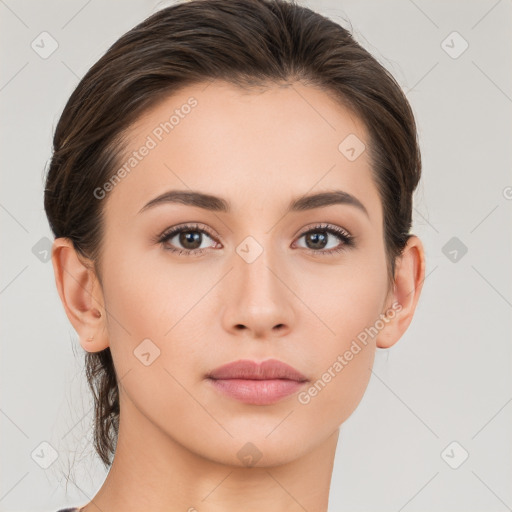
257,264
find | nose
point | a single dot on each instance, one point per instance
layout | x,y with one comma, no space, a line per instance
258,298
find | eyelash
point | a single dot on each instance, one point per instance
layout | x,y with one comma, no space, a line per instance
344,236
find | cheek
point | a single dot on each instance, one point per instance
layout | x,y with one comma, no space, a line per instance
343,358
336,393
345,298
149,339
149,299
347,309
146,293
129,302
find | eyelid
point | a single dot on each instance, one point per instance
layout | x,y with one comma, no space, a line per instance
192,226
326,226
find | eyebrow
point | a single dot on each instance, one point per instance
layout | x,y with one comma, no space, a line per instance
217,204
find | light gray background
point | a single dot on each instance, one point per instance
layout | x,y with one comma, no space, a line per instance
449,377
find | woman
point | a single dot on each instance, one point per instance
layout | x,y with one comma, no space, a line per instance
231,198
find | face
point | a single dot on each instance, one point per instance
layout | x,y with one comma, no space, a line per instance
249,276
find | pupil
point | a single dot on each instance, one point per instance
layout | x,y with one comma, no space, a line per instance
192,237
316,238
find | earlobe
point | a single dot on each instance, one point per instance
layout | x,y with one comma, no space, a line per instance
81,295
409,277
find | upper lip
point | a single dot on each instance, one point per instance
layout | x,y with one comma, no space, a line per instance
247,369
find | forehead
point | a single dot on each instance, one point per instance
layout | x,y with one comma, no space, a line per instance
259,147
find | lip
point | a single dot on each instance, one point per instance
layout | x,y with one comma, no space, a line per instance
257,383
247,369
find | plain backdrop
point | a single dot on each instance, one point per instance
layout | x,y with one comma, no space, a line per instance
433,431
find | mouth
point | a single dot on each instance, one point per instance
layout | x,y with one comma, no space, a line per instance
257,383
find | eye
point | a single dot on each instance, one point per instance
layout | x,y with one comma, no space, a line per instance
318,238
190,237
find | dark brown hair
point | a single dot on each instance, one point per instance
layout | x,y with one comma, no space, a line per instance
247,43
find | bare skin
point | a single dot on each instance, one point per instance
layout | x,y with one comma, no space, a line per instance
180,439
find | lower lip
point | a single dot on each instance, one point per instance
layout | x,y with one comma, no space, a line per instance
257,392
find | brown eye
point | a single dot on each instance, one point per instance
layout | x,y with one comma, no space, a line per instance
186,240
190,239
318,238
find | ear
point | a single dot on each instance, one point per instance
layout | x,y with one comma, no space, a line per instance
402,300
81,295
